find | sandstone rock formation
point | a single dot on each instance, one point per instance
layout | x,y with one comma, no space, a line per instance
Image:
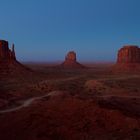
8,62
71,57
129,54
5,53
128,59
71,61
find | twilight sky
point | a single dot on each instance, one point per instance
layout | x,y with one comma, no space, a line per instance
45,30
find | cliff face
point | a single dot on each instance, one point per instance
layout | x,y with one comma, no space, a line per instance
71,56
5,53
128,59
129,54
8,63
71,61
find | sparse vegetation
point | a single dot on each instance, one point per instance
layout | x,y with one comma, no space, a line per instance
88,100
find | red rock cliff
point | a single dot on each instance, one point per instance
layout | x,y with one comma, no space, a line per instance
128,59
71,61
8,63
5,53
129,54
71,56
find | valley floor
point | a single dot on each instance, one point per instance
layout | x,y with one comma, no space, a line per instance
60,104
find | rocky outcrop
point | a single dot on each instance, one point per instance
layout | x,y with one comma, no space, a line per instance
71,61
5,53
8,62
95,86
129,54
128,59
71,57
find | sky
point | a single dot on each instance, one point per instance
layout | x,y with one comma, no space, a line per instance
45,30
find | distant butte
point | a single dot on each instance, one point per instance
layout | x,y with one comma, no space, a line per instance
8,62
5,53
129,54
128,59
71,61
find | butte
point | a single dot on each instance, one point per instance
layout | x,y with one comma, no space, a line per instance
71,62
8,61
128,59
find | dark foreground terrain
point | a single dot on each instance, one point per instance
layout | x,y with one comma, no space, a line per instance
56,104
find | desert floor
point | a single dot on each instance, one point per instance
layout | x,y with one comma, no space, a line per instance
51,103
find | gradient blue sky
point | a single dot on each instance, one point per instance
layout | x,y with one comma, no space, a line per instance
44,30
